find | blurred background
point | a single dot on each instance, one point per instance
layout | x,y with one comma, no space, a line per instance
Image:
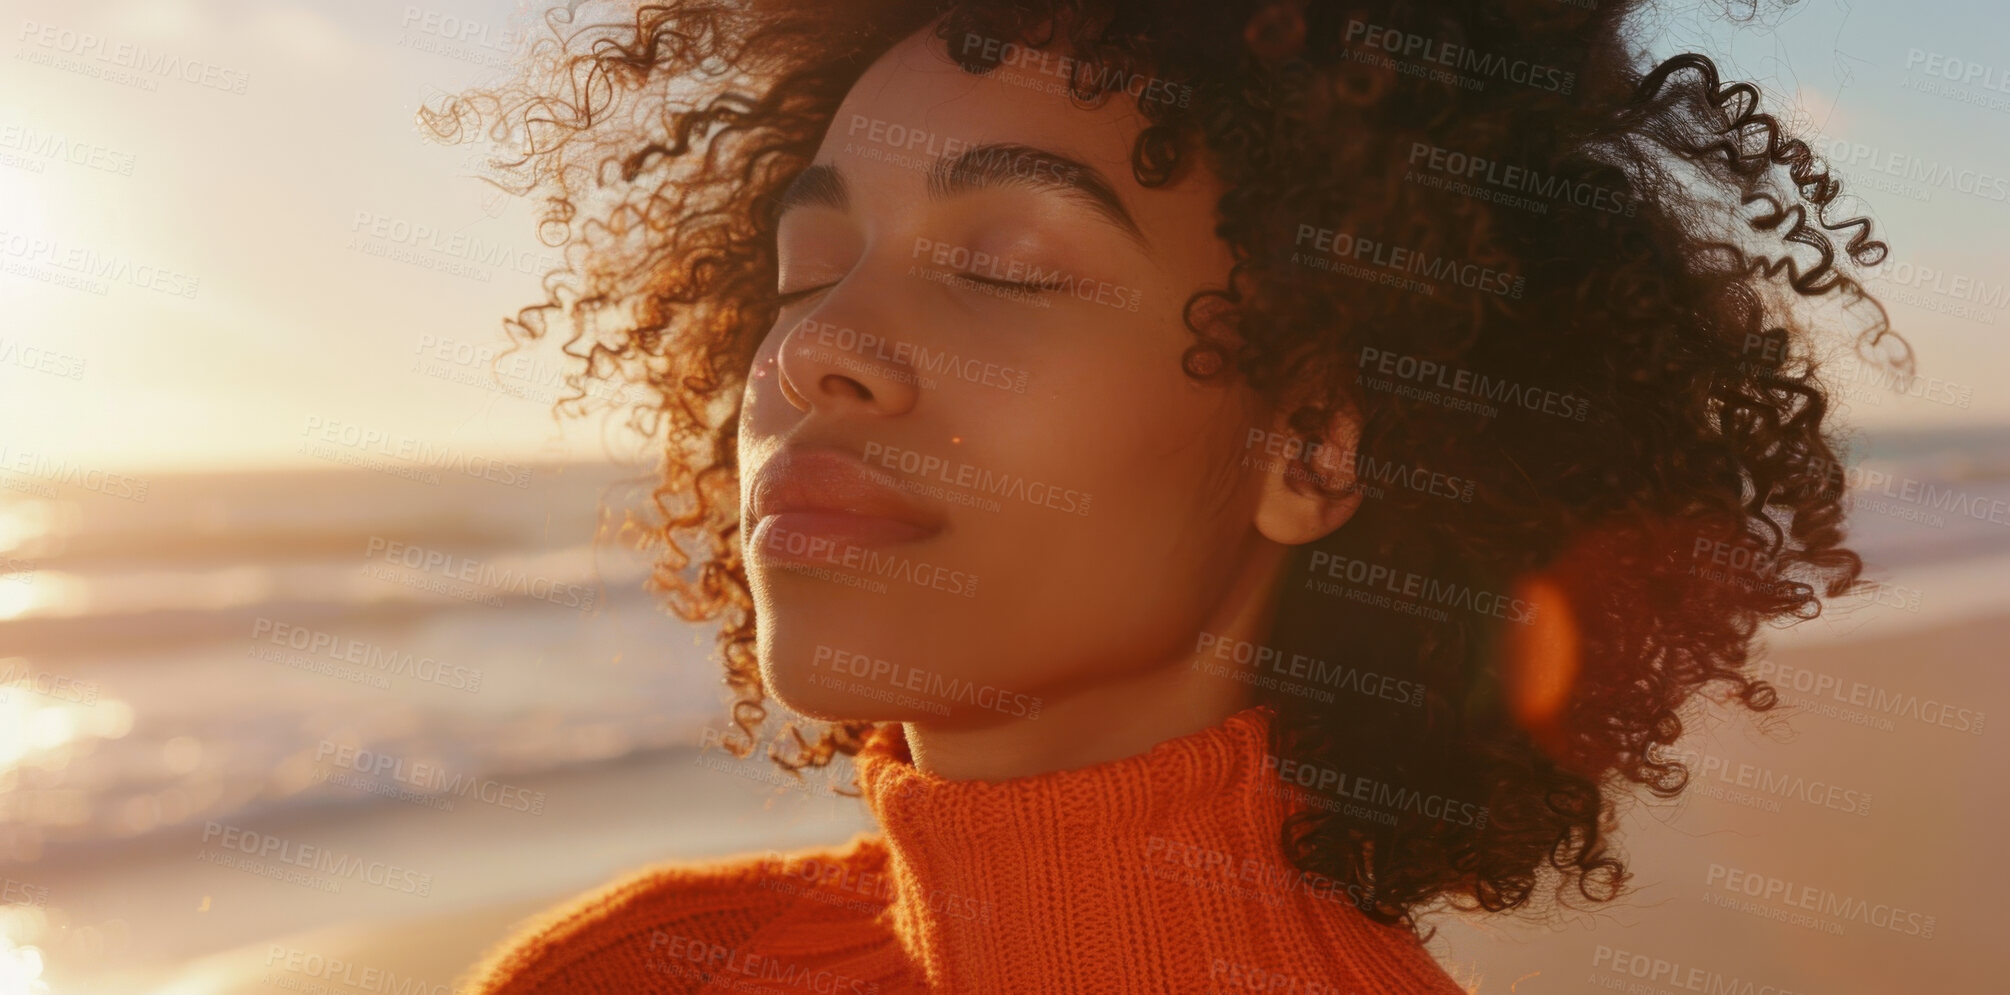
247,322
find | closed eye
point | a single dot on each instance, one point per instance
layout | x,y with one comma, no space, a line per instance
785,299
1054,283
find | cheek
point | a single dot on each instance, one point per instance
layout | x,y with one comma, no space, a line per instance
1164,520
1079,597
1158,444
763,409
1159,520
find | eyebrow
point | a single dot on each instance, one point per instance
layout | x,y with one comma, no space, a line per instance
981,167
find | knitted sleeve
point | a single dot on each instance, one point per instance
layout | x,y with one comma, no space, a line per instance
670,928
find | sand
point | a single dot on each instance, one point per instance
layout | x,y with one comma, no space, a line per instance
1910,824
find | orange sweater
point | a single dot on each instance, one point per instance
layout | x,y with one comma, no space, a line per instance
1160,872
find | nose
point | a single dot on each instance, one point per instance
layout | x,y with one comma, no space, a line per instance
840,357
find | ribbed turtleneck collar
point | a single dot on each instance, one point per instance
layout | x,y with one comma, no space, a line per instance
1162,871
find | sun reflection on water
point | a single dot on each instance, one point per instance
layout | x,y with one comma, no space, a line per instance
44,729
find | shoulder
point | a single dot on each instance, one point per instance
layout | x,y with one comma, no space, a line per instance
633,934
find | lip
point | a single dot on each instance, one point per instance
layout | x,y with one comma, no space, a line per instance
832,500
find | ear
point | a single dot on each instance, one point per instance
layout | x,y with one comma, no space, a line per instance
1294,510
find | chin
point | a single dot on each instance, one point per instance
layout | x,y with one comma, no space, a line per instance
834,653
812,696
790,650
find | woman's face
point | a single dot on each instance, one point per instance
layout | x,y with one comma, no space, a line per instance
973,472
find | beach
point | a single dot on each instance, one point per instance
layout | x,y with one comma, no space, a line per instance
194,927
344,731
230,933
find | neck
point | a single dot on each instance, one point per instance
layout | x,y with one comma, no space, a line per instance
1159,872
1115,717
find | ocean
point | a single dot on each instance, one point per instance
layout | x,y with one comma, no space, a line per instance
223,647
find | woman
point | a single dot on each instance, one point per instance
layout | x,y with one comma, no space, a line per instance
1233,475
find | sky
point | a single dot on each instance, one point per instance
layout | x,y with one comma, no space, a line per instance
208,273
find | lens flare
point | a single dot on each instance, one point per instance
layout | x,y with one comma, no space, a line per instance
1542,662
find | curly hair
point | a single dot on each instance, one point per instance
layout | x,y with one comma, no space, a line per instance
1668,326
